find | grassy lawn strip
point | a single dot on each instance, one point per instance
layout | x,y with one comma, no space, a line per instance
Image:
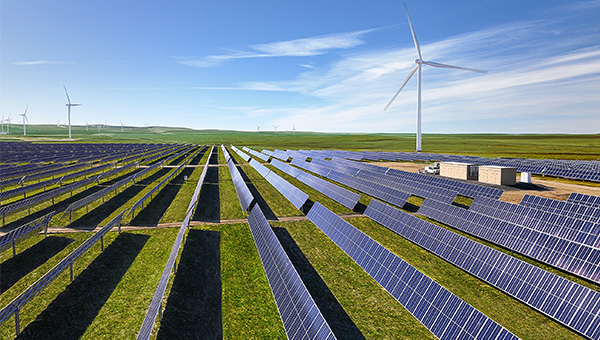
375,313
230,205
177,208
518,318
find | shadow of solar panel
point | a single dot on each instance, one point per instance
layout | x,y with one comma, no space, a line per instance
300,315
526,282
443,313
17,303
343,196
578,259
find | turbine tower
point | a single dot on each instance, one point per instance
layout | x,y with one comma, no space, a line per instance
257,128
69,105
275,127
294,130
8,122
419,61
24,114
121,126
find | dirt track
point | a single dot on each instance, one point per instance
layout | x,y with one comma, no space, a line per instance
549,189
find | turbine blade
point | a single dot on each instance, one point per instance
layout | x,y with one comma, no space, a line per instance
412,29
67,93
440,65
410,74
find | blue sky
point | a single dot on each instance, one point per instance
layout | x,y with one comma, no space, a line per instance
327,66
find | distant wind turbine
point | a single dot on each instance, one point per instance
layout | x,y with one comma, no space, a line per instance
419,61
275,127
69,105
86,126
24,114
8,122
121,126
294,130
257,128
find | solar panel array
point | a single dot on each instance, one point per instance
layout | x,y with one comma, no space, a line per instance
574,169
583,212
575,258
244,195
584,199
567,302
443,313
163,183
390,195
312,167
258,155
296,196
21,232
242,154
262,170
156,304
17,303
301,317
568,228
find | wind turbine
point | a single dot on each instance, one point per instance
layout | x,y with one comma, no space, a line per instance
419,61
69,105
24,114
121,126
86,126
275,127
8,122
257,128
294,130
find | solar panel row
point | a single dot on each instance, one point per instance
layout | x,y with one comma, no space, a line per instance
262,170
288,169
301,317
19,233
443,313
590,200
390,195
573,305
341,195
312,167
568,228
244,195
296,196
583,212
17,303
574,258
156,304
258,155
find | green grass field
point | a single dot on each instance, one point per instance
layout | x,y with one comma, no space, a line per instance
220,288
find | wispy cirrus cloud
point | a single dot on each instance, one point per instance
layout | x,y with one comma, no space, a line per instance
304,47
40,62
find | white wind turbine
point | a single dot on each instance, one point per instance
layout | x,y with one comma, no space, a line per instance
8,122
24,114
121,126
257,128
419,61
294,130
275,127
69,105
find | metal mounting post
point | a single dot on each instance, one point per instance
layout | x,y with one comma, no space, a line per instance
71,270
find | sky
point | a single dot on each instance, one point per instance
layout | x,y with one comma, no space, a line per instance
326,66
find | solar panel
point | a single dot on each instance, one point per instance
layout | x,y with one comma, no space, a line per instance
343,196
315,168
296,196
288,169
301,317
262,170
443,313
526,282
21,232
578,259
382,192
583,212
590,200
258,155
569,228
244,195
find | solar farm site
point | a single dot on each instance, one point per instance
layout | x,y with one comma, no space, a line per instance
233,240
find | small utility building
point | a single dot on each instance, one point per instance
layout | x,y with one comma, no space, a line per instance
465,171
499,175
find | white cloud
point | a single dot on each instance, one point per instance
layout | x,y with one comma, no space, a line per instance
292,48
39,62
